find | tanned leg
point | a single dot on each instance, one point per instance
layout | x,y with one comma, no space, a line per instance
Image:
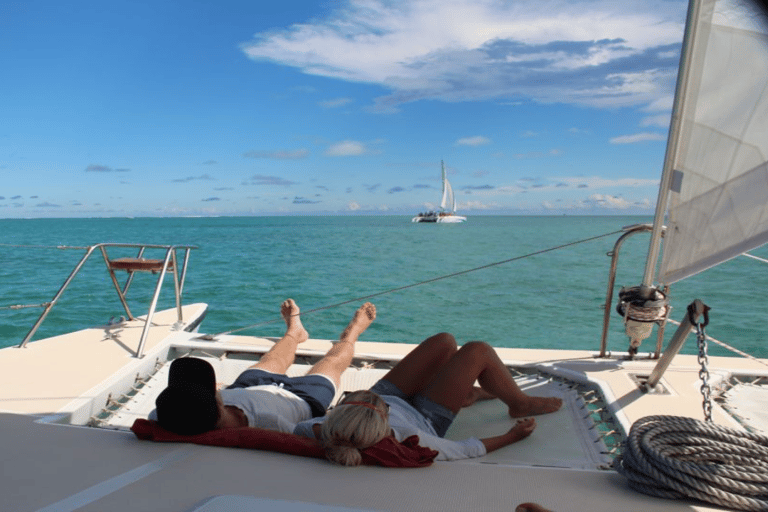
453,385
283,353
420,366
339,357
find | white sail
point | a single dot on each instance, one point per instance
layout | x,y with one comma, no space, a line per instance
447,190
448,200
718,193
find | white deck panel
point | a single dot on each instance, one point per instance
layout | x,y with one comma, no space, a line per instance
93,470
74,468
47,375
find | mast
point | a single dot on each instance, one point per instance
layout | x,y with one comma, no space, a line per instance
673,140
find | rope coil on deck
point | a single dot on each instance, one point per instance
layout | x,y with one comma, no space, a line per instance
676,458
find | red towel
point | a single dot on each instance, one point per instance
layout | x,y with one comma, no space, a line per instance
388,452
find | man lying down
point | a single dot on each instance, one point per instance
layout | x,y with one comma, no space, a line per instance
420,396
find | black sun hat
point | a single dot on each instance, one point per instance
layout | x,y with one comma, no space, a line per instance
188,405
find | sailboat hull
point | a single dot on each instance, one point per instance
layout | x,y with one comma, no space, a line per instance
439,218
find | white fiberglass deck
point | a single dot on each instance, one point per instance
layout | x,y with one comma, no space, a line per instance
61,467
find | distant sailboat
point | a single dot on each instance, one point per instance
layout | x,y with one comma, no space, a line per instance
447,211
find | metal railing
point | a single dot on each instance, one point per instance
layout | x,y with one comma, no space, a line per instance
630,231
130,265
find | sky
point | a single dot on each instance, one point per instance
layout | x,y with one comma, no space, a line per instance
196,108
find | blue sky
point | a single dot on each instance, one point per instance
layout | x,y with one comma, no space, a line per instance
146,108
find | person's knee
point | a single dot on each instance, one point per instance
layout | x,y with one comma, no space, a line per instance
478,350
445,341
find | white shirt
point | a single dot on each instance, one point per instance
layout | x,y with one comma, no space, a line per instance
268,406
406,421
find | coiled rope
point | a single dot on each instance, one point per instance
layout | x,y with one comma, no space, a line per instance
676,458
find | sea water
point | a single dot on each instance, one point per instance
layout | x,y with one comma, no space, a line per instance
513,281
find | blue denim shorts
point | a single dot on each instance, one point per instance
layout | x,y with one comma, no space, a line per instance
439,416
316,389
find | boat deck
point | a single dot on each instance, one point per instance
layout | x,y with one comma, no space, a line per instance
63,467
78,361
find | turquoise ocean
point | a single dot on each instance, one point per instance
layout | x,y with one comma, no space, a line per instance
421,277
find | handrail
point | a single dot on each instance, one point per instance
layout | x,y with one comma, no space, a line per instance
630,231
170,256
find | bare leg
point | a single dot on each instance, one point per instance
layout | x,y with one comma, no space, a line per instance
478,361
477,394
420,366
339,357
283,353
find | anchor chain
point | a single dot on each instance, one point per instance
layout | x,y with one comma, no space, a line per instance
703,358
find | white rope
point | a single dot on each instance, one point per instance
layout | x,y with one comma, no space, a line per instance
676,457
754,257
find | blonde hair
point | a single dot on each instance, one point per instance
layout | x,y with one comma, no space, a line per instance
355,424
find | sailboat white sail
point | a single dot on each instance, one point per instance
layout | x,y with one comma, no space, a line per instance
716,174
447,213
448,201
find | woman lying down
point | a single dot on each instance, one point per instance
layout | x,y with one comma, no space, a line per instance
421,396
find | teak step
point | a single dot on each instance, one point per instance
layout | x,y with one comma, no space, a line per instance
138,264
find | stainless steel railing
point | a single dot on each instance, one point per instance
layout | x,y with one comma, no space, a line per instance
130,265
630,231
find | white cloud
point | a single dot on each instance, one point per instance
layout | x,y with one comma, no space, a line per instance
596,182
477,140
661,120
477,205
638,137
353,206
346,148
609,202
599,52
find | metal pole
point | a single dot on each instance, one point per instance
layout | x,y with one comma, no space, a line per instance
153,306
673,140
56,297
676,343
631,230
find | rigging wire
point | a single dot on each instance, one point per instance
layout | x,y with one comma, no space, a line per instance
63,247
420,283
754,257
726,346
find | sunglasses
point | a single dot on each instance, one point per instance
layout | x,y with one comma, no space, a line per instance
346,395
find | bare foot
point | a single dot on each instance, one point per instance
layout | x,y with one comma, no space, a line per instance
476,395
522,429
364,317
530,507
294,328
535,405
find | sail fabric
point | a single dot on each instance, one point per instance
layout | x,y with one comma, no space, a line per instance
718,203
448,199
446,189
